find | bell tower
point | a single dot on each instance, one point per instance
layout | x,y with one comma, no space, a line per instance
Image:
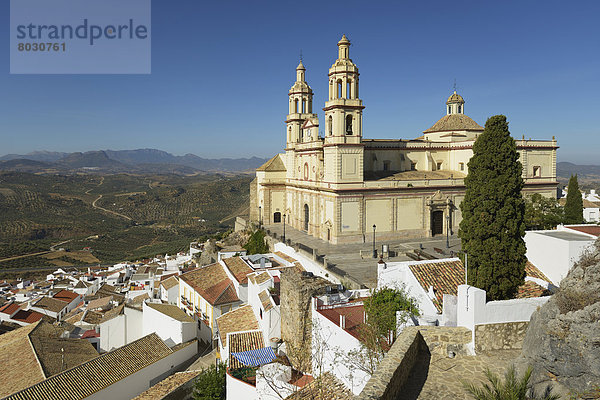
300,108
343,120
455,104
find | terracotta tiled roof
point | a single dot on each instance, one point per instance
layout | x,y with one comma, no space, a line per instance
239,320
171,311
285,256
50,304
455,122
244,341
115,312
19,367
30,354
589,229
265,299
211,282
170,282
30,316
49,346
99,303
531,289
90,333
532,271
325,387
260,277
443,276
238,268
354,317
9,308
65,295
99,373
167,386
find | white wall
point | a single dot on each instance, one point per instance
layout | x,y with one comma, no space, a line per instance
113,333
553,256
170,330
472,308
134,324
308,263
328,339
237,389
142,380
398,275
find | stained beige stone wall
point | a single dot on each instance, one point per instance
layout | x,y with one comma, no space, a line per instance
503,336
296,320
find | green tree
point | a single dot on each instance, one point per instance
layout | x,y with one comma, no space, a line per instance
210,384
257,243
542,212
513,388
574,204
493,211
381,308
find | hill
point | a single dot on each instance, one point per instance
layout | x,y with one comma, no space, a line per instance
118,216
588,176
141,161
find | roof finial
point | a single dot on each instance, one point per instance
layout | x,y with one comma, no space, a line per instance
454,85
300,55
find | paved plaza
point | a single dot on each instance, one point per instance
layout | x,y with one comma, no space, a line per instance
357,259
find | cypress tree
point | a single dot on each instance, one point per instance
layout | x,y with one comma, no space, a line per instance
574,204
493,213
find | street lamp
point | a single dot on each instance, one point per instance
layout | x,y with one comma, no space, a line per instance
447,230
374,249
284,216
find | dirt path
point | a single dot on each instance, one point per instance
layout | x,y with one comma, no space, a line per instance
109,211
36,254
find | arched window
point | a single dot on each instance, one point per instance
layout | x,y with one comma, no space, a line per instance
296,105
339,89
349,125
449,110
330,125
459,109
304,106
349,89
305,171
290,134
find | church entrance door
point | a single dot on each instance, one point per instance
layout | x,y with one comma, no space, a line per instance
437,223
277,217
306,217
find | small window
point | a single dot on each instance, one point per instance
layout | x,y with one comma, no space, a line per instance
413,166
439,166
462,166
537,171
260,313
349,125
449,110
386,165
459,109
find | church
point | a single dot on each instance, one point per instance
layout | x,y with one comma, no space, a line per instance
340,187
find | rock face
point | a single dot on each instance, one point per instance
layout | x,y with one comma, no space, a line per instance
562,342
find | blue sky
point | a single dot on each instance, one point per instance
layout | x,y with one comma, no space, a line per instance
221,72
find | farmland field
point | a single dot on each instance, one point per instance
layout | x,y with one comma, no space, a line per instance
111,218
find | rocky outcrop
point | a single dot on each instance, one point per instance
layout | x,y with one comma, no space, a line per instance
562,342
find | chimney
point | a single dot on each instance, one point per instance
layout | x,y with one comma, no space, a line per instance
342,322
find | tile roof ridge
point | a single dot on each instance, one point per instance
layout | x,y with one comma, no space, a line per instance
35,354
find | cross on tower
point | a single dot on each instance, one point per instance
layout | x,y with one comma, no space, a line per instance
455,85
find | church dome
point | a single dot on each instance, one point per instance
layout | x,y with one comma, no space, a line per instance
455,122
455,98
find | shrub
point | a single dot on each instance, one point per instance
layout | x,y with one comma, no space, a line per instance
210,384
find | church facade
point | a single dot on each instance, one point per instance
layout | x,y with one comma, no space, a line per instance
340,187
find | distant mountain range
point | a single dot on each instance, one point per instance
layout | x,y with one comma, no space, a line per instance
134,161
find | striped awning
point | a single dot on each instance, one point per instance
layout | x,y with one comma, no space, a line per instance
254,358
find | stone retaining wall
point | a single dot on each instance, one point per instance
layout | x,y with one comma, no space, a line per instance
502,336
415,341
